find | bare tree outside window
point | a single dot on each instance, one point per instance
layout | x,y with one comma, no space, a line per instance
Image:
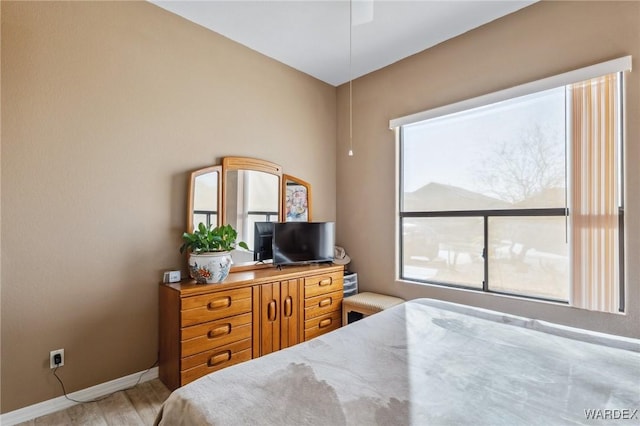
484,193
528,166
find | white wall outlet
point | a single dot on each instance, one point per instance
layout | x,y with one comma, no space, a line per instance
52,356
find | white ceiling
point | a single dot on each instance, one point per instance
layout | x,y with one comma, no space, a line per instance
312,36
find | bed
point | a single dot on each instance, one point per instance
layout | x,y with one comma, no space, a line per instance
425,362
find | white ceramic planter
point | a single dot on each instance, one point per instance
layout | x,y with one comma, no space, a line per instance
208,268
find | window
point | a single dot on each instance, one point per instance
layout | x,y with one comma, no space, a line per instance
519,196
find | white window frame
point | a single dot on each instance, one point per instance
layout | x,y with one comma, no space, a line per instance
613,66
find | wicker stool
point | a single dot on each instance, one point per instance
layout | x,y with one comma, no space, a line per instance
367,304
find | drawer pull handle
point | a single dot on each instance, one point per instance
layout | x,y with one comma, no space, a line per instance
288,306
272,311
219,358
219,331
325,282
324,323
325,302
223,302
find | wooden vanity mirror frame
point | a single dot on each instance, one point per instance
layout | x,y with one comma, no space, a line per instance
192,189
244,163
283,191
247,163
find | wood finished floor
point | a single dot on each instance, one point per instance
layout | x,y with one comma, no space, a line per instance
136,406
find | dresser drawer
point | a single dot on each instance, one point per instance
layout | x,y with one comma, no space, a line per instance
322,324
199,338
322,284
196,366
322,304
213,306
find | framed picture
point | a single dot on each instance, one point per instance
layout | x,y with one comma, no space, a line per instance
297,203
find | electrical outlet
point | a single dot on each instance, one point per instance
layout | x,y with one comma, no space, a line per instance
52,358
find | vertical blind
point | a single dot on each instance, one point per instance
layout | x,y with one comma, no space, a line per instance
595,200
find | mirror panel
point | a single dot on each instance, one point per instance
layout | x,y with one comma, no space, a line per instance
204,197
296,199
251,193
251,197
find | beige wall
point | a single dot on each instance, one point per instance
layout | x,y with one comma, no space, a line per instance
106,106
545,39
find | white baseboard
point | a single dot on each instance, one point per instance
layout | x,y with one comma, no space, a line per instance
60,403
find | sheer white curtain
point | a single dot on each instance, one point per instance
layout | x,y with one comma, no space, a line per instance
595,199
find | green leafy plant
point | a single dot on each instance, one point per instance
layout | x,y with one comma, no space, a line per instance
207,239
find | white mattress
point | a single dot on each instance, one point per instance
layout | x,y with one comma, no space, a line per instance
425,362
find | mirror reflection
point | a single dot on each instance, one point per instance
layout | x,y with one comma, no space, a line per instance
297,199
205,197
251,196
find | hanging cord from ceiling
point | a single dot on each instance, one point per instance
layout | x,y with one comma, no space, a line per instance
350,78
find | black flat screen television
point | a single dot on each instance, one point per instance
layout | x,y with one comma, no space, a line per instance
262,241
303,242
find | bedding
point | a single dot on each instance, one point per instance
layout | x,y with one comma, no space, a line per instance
425,362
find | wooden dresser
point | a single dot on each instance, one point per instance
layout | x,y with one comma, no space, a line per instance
207,327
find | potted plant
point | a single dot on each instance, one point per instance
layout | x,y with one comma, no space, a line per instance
210,252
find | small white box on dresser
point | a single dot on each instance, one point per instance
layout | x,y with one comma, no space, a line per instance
350,284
